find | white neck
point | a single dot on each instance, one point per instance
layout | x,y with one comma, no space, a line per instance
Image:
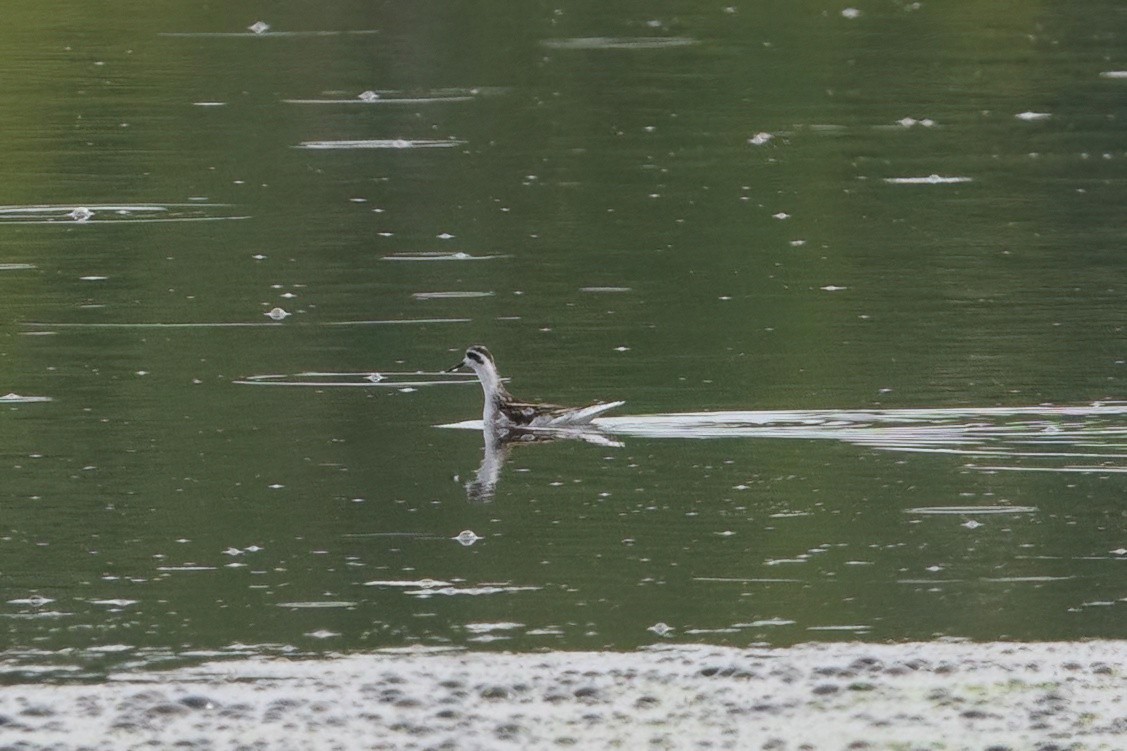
491,386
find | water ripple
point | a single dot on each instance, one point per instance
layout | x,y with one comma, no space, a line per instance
975,510
434,96
21,399
250,33
230,324
440,256
928,180
369,379
617,43
115,213
1080,438
382,143
452,295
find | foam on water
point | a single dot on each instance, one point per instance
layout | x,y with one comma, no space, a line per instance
816,696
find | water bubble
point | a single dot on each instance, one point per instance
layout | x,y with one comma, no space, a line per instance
277,314
661,629
375,377
467,537
81,214
368,96
760,139
908,122
259,27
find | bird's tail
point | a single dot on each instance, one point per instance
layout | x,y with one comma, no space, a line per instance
585,415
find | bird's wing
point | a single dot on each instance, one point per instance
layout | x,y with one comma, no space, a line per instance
544,415
523,413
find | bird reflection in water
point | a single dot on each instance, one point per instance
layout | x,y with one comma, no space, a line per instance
498,443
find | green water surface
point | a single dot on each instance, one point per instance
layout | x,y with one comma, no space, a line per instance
683,205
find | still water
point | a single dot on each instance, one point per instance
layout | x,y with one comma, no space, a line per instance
857,271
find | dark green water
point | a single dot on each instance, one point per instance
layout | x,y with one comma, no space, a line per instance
688,207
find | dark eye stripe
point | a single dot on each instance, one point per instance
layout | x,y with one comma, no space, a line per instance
474,356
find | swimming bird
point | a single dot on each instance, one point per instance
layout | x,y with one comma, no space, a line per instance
503,411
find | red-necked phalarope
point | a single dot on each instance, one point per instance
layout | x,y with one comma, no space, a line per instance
503,411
